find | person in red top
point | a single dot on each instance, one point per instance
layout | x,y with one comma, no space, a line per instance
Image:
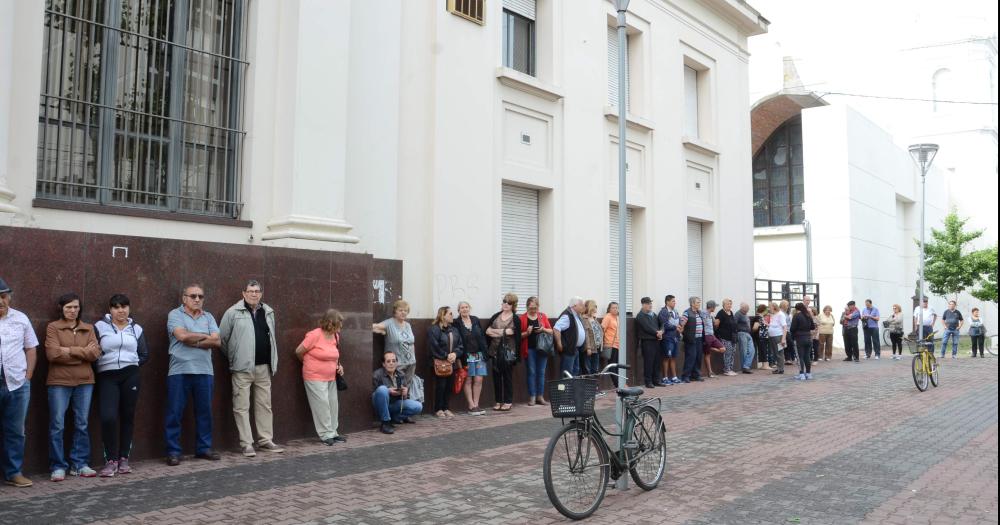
320,356
534,322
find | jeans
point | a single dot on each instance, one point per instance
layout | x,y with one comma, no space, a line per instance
746,349
570,363
389,409
590,364
13,411
117,397
536,363
872,343
953,336
60,399
199,387
692,359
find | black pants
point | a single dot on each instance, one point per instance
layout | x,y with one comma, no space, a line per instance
851,343
897,342
692,359
804,347
978,343
117,395
650,361
789,349
617,378
442,391
872,344
815,352
503,385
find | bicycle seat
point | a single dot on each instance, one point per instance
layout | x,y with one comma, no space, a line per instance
630,391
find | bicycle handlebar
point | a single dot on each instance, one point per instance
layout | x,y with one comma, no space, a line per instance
605,372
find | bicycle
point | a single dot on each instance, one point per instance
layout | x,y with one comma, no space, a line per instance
925,366
578,461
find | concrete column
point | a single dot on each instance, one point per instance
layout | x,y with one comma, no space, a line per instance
311,122
6,80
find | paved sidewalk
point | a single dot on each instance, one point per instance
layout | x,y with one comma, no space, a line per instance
859,444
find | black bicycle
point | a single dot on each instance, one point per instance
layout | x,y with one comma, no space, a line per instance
578,461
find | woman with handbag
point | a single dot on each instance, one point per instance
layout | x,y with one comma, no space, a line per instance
504,333
320,356
591,361
536,347
474,357
446,345
609,323
895,326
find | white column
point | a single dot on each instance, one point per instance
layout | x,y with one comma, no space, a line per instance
311,123
6,80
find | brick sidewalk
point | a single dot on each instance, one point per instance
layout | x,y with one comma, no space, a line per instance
748,449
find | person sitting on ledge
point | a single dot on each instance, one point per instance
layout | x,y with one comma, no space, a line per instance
390,396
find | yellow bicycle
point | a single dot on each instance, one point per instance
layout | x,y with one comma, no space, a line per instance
925,367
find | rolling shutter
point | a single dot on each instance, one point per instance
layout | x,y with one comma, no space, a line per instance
519,243
525,8
627,305
696,275
613,69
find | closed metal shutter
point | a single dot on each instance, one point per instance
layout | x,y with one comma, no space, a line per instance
525,8
627,305
696,266
613,69
519,243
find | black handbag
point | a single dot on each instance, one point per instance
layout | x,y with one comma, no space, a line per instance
341,383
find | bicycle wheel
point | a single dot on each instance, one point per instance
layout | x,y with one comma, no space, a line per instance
933,365
919,376
576,470
647,450
886,340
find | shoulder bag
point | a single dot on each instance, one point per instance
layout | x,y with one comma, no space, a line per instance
443,367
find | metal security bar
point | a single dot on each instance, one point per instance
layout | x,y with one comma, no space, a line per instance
768,290
142,104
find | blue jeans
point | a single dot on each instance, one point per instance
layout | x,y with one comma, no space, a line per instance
746,349
393,410
590,364
179,386
13,410
60,399
536,363
570,363
953,336
692,359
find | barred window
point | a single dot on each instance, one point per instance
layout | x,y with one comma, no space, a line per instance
141,104
778,184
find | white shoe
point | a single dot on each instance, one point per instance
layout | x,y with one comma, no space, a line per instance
876,358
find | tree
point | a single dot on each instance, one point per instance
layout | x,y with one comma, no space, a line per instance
950,267
986,268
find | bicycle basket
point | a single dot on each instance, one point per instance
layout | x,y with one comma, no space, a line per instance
572,397
915,345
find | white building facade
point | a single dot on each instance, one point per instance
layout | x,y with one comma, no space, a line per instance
474,141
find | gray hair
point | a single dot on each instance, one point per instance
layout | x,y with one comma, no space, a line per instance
744,305
253,282
710,304
575,300
694,299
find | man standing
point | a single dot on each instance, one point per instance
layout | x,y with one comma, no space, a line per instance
390,395
850,319
247,333
744,337
17,364
692,327
870,317
193,334
647,329
952,321
669,319
569,336
924,317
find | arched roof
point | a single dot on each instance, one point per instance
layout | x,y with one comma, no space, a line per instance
772,111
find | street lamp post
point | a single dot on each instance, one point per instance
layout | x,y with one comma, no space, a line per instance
924,155
621,6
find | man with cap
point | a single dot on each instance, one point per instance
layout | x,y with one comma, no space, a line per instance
17,363
647,327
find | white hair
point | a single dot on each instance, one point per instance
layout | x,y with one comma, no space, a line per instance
575,300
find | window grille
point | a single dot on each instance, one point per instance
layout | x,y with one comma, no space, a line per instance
141,104
778,183
472,10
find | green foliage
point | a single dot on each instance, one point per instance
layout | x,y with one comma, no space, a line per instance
949,266
986,267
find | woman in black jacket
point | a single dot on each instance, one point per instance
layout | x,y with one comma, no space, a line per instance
446,345
504,332
473,357
801,330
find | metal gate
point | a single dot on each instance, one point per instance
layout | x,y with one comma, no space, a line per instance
768,290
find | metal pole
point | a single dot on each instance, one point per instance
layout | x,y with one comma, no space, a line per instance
621,6
923,211
809,251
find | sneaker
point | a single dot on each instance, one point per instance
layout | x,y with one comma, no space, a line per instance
676,380
123,467
210,455
271,446
83,472
173,461
387,428
109,470
800,377
328,442
339,439
18,480
58,475
666,381
747,371
730,373
809,376
249,452
877,358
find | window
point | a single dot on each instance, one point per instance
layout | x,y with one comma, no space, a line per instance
141,104
471,10
614,279
519,35
690,102
613,69
940,86
778,185
519,242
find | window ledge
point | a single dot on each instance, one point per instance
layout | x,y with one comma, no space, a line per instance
55,204
776,231
633,121
705,148
529,84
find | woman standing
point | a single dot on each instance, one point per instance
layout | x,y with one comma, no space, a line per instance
399,338
895,326
777,328
591,362
977,332
320,356
71,347
789,343
801,329
533,323
610,326
123,351
826,322
814,334
725,331
758,324
474,357
504,335
446,345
